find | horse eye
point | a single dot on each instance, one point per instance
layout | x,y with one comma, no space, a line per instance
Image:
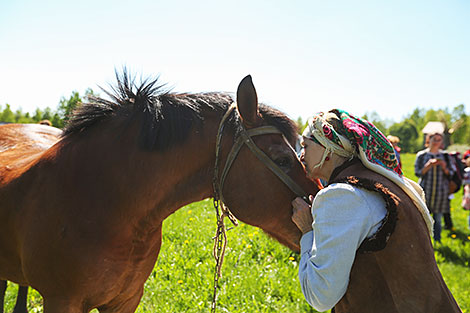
283,162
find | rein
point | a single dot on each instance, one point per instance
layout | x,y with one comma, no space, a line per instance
245,137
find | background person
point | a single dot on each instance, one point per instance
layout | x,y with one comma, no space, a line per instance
394,140
434,174
356,255
466,188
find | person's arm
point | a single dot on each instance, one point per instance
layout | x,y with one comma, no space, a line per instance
418,165
420,168
446,170
341,221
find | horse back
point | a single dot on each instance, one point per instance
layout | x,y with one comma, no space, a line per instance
21,145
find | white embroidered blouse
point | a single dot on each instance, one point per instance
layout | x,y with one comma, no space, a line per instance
343,216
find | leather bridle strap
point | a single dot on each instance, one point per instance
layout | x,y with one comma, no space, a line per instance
245,138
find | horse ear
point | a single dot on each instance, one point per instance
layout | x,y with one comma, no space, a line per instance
247,102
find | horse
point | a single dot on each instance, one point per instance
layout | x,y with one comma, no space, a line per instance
81,222
29,140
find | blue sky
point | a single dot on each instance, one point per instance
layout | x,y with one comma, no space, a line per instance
304,56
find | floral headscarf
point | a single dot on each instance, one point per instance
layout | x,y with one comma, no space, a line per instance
356,137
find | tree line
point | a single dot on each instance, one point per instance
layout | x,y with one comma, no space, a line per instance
57,116
456,121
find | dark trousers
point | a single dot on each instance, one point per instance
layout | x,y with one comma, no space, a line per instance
448,221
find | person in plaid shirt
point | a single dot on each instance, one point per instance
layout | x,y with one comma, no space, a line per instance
433,173
466,188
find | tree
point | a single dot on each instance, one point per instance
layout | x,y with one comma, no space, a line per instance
375,119
408,134
459,129
67,106
301,125
7,115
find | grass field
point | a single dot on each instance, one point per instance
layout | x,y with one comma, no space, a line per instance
259,275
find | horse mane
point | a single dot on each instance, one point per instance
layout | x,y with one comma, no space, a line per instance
167,117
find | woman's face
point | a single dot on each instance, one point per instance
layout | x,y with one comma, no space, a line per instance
436,141
312,154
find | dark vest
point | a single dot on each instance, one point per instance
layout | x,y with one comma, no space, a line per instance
395,271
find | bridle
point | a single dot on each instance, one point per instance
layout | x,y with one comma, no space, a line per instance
245,137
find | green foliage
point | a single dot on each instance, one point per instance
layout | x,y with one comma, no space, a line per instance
301,125
67,106
7,115
409,135
58,117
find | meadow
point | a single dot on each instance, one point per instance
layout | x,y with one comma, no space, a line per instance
258,275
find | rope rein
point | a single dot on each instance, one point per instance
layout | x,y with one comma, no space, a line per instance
222,211
220,238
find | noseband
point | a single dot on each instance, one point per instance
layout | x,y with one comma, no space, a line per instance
245,137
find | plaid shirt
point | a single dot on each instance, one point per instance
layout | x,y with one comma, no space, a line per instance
434,183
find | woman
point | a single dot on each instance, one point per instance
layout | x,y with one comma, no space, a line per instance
365,244
434,174
394,140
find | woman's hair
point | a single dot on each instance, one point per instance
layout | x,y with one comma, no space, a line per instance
393,139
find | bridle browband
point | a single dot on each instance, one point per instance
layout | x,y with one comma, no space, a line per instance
245,137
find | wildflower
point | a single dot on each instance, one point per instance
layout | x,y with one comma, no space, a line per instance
453,235
262,252
291,258
186,241
248,246
190,211
191,219
180,281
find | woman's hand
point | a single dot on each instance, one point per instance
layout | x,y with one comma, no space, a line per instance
429,164
302,216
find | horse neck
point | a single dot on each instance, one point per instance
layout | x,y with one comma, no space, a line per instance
147,183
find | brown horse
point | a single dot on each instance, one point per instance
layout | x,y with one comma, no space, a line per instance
81,222
19,144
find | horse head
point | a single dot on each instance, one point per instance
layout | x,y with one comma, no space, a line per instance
252,191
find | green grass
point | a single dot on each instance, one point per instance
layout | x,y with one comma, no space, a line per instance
259,275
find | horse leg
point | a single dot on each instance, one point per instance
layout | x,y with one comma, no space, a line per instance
21,300
3,289
56,305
